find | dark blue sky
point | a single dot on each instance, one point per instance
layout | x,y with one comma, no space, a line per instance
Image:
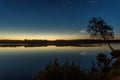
54,19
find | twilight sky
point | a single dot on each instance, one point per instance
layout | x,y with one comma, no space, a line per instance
54,19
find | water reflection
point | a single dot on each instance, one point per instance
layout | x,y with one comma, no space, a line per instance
49,49
19,45
21,63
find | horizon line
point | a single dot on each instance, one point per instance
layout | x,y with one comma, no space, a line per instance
61,39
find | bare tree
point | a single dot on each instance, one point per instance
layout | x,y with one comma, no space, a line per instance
99,29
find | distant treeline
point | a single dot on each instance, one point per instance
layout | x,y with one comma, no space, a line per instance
55,42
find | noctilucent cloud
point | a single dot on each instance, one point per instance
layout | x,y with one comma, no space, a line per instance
54,19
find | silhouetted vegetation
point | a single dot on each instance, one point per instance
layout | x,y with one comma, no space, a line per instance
99,29
66,71
106,68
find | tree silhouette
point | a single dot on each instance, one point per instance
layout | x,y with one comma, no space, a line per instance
99,29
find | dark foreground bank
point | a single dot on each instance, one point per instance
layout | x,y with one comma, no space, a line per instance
106,68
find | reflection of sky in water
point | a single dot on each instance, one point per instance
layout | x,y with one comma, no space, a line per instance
22,63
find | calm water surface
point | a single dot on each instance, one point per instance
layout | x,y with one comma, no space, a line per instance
22,63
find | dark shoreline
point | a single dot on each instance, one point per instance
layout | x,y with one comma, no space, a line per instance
44,43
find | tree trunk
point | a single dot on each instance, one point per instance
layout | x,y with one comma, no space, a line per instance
108,43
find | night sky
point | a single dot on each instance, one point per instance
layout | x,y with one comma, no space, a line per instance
54,19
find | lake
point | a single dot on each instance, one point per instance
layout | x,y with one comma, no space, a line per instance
22,63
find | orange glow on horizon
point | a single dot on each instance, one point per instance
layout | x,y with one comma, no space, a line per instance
43,37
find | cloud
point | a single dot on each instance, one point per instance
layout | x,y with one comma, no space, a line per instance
83,31
92,1
83,53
